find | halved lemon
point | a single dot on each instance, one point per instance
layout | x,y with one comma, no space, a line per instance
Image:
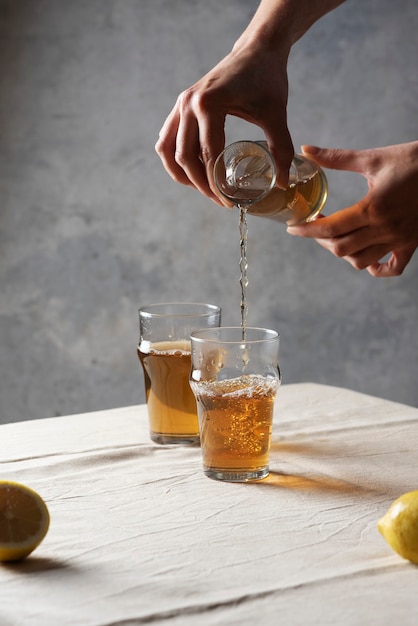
24,520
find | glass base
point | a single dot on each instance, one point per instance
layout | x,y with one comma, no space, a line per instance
175,439
236,476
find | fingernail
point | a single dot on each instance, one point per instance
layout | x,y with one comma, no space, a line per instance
310,149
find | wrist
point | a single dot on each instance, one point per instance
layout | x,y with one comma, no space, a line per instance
269,30
278,24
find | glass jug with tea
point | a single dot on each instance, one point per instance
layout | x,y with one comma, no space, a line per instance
245,174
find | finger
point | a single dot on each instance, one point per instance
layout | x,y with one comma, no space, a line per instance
188,154
166,148
200,138
395,266
359,259
356,242
281,147
369,256
336,159
212,143
336,225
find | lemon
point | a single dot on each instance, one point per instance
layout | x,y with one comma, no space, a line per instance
399,526
24,520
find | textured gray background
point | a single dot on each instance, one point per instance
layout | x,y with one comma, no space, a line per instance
91,225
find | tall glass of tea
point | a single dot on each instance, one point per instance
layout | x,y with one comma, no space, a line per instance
235,382
164,352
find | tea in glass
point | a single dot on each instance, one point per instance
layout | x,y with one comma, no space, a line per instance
164,352
235,382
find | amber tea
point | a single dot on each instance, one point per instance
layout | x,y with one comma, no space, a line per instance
300,202
236,418
164,352
235,382
170,401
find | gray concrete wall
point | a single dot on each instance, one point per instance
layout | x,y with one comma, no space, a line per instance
91,226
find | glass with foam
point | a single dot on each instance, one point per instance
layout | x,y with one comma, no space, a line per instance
164,352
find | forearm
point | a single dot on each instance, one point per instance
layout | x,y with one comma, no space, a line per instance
280,23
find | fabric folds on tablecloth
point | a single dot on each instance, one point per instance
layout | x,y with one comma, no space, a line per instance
139,535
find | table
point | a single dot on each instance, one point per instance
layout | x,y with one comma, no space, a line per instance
139,535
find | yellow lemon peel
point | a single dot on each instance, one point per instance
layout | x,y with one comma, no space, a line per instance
399,526
24,520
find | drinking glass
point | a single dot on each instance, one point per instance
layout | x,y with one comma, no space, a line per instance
235,382
164,352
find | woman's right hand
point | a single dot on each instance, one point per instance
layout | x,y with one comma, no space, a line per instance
249,83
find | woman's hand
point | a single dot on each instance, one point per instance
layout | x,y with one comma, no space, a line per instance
384,221
249,84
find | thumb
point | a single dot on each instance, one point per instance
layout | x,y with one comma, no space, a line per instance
336,159
281,148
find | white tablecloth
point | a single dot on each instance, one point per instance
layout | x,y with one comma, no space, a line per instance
139,535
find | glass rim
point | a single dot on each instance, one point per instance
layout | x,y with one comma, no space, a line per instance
199,335
207,309
264,148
